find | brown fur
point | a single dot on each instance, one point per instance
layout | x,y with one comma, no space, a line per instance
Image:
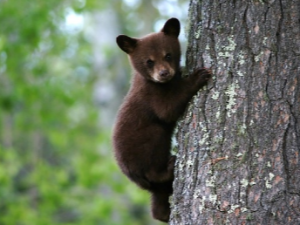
157,98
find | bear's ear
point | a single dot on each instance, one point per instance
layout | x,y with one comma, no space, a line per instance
171,27
127,44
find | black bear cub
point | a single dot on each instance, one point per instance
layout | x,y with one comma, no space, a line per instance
157,98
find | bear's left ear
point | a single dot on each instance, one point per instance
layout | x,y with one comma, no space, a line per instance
127,44
171,27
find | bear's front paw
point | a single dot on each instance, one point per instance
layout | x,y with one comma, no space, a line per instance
172,159
171,163
202,74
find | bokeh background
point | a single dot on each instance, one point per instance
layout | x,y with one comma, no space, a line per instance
62,78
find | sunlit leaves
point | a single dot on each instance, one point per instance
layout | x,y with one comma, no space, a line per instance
56,163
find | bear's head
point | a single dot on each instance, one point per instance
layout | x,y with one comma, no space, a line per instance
156,56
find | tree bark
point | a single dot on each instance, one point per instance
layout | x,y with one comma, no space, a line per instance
239,141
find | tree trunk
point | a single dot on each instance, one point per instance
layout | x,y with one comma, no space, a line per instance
239,142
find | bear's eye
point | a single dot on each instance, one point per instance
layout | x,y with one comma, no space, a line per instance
168,57
150,63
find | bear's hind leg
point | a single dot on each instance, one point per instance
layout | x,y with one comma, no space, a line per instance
163,176
160,205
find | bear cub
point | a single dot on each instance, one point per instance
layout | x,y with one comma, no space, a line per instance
157,98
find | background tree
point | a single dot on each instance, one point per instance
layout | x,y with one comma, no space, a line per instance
239,142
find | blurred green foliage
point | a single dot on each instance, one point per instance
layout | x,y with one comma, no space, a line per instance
56,162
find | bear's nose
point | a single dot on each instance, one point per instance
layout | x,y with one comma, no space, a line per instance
164,73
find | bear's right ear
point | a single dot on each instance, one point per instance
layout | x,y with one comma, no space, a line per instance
127,44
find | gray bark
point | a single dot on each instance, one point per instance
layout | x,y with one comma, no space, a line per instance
239,141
